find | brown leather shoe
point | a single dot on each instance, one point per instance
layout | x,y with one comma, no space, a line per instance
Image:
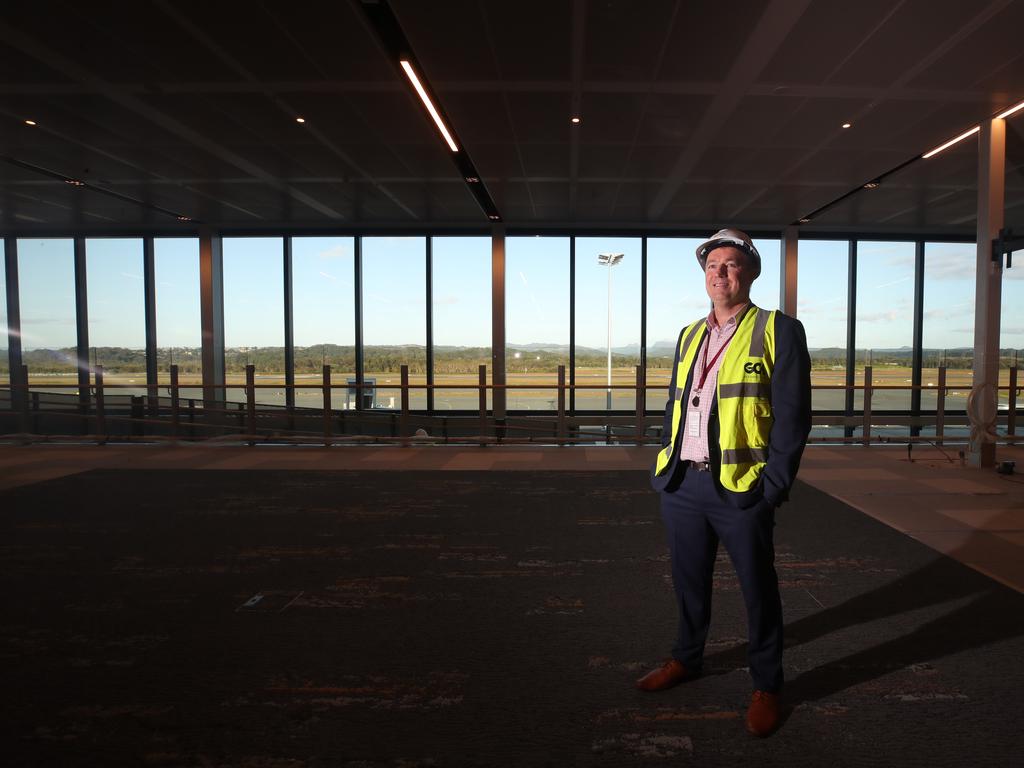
764,713
669,674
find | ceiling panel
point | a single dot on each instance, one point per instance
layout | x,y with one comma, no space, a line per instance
169,103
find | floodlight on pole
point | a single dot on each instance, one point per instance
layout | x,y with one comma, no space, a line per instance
609,260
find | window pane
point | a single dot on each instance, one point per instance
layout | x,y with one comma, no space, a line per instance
822,282
765,290
323,270
676,296
1011,334
46,285
462,319
607,318
254,315
179,325
394,317
948,327
536,319
885,322
117,315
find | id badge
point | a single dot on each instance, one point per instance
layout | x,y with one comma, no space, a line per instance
693,423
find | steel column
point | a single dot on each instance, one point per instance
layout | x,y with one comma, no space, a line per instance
149,290
988,277
787,276
499,400
82,321
289,326
851,330
357,281
572,325
918,351
430,324
18,396
211,310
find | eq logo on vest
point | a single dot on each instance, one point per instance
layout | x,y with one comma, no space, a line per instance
757,368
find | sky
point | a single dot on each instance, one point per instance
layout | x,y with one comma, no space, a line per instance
537,292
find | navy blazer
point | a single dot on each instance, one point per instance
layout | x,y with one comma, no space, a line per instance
791,409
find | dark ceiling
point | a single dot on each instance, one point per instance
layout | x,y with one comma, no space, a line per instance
694,114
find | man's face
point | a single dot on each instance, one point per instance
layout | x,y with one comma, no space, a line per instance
728,275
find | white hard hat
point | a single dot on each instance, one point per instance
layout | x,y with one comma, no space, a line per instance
731,237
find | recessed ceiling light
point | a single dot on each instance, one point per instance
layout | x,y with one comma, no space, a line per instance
30,122
74,182
872,185
1011,110
846,125
300,119
411,74
951,142
574,120
804,221
184,218
493,216
473,179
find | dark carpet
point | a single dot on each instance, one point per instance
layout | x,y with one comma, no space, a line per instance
284,619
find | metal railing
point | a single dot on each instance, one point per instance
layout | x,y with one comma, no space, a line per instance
214,419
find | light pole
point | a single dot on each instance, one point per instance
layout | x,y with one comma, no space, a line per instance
609,260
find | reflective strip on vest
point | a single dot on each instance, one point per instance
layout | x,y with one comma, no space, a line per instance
687,354
744,398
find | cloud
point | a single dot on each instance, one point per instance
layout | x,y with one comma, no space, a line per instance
892,282
329,277
337,252
874,317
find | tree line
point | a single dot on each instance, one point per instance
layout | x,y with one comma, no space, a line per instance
447,360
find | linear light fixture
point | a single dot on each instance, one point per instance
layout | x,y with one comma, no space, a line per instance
411,74
951,142
1011,110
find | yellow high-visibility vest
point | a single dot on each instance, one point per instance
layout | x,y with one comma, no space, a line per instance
744,398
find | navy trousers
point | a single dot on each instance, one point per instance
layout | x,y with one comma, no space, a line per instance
696,519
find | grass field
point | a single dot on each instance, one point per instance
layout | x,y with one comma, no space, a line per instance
538,391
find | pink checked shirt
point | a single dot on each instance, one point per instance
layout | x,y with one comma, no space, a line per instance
718,338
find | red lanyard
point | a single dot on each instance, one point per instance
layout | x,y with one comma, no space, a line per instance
706,368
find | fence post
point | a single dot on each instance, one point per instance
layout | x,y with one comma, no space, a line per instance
403,420
641,397
940,406
327,405
250,401
868,388
175,403
101,415
483,404
1011,415
561,403
26,418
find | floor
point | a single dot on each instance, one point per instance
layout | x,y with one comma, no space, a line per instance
974,516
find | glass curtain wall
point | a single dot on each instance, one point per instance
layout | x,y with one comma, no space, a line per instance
608,273
676,296
395,318
822,283
179,325
536,320
254,316
948,323
885,324
323,279
461,304
46,293
117,314
766,288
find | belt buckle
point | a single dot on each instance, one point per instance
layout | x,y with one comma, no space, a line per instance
700,466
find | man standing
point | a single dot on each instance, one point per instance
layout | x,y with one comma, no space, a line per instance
736,422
